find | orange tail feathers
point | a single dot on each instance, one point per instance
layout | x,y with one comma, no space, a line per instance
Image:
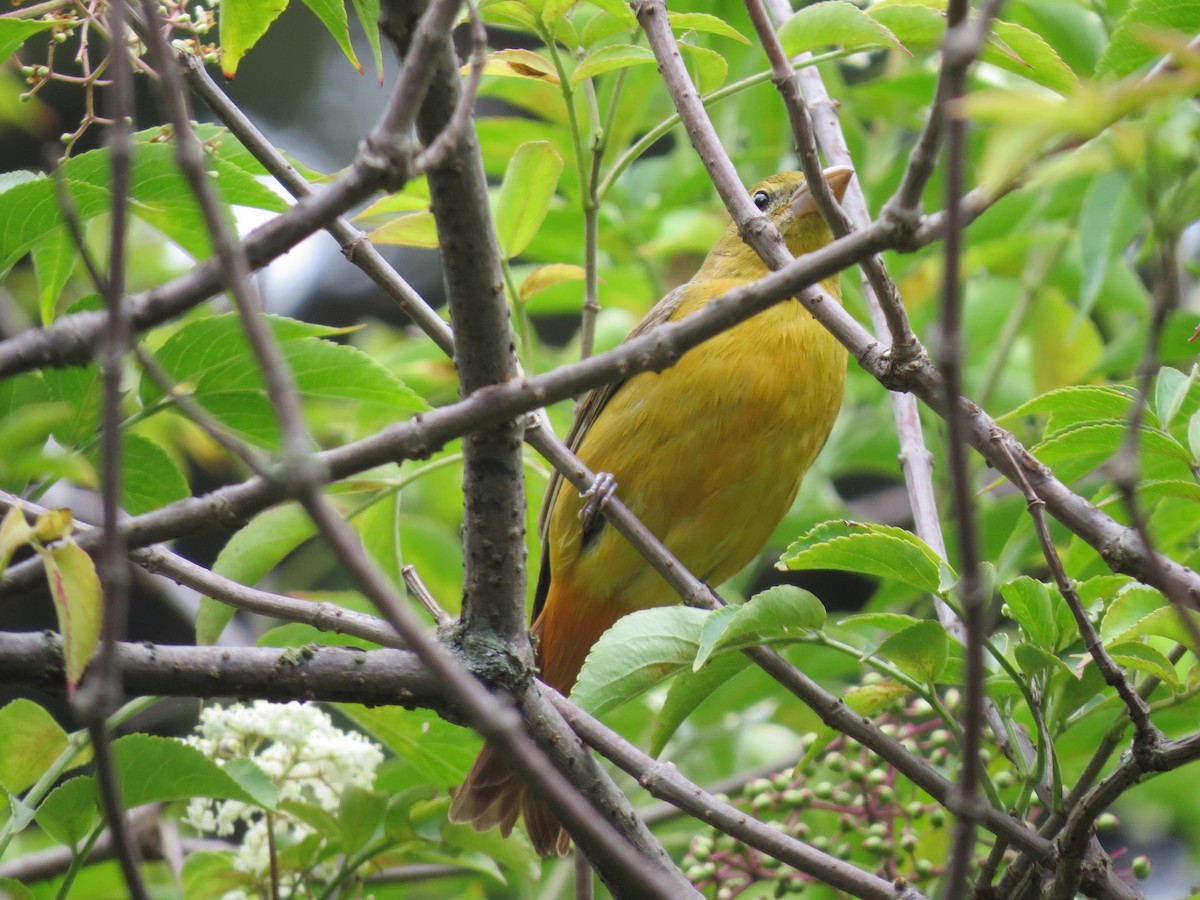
492,794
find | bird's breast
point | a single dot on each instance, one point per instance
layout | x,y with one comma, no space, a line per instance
709,453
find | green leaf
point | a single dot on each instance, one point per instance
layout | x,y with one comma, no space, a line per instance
1102,232
920,24
1170,390
514,853
440,751
1075,405
1126,51
248,556
81,391
607,59
70,812
14,32
379,529
417,229
705,23
919,651
242,23
915,26
212,358
1029,604
360,816
1165,622
398,824
880,550
1036,661
868,622
1074,452
332,14
1035,59
1145,659
54,257
368,17
30,210
870,699
33,741
253,780
641,650
708,68
781,613
210,875
834,22
150,478
619,10
206,345
525,194
547,277
1194,435
153,769
688,690
1130,606
78,604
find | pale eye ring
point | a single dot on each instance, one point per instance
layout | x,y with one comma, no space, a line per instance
761,199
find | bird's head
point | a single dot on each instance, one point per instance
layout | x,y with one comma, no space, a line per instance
786,198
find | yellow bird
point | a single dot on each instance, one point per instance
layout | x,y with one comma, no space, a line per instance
708,454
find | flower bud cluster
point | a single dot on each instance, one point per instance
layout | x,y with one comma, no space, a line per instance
310,762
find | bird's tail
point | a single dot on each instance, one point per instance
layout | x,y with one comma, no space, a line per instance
493,795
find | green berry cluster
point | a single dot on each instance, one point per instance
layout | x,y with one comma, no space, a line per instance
841,800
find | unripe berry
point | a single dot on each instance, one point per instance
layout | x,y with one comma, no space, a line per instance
1140,867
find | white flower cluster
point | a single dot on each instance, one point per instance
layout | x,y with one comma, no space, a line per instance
305,757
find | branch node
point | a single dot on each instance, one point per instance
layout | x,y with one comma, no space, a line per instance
391,158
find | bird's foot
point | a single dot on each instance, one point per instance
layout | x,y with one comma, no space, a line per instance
596,498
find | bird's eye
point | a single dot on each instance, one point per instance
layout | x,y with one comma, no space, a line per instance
761,199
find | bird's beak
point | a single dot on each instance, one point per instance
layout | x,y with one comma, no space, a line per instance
837,177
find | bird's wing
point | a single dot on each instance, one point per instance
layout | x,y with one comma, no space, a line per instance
589,410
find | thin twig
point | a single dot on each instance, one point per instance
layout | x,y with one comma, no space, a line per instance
584,884
101,690
958,53
440,148
158,560
425,597
1139,712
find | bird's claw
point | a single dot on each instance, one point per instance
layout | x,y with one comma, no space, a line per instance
596,498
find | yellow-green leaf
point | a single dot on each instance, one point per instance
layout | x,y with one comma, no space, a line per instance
78,603
33,740
606,59
520,64
548,276
704,22
416,230
525,194
242,23
14,532
834,22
